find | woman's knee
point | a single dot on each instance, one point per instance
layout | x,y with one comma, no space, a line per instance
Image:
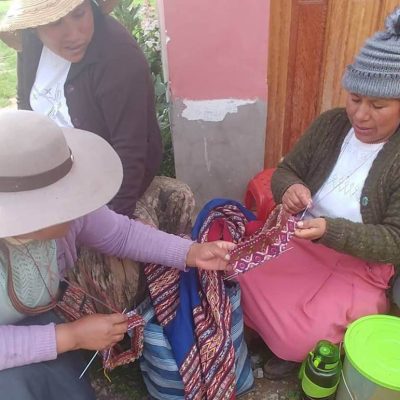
55,379
26,382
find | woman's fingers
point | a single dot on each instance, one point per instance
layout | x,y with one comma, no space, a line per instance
296,198
292,207
118,338
117,318
211,255
120,325
311,229
225,245
301,199
221,250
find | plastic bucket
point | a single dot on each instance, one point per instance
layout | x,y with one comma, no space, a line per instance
371,370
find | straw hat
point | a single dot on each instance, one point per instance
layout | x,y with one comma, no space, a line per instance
50,175
24,14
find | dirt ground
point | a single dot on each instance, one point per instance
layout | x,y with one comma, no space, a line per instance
124,387
264,389
127,383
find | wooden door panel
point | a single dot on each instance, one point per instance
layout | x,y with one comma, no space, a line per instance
387,7
295,63
349,23
304,68
278,50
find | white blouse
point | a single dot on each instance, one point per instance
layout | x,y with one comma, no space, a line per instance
339,196
47,94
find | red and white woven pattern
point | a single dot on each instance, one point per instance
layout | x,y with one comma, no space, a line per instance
267,242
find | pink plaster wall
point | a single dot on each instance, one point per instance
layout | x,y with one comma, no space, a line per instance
217,49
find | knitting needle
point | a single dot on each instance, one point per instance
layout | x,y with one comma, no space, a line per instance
90,362
305,210
87,294
92,359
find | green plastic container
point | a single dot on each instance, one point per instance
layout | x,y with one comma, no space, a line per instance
371,369
320,372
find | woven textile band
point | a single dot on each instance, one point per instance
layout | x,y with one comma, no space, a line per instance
23,183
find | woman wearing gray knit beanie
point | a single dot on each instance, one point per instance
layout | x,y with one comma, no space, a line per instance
343,180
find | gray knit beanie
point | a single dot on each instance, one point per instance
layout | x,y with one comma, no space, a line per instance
376,70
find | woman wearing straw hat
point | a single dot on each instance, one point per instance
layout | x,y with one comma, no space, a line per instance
343,177
44,211
81,68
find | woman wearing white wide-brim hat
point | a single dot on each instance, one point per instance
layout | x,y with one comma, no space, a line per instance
81,68
52,196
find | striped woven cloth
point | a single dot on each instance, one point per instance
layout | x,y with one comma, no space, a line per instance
158,364
195,311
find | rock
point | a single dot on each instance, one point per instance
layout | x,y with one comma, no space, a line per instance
256,361
258,373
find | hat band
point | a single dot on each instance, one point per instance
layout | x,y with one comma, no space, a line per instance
22,183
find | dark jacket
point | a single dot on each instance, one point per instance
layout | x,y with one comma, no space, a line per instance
109,92
311,161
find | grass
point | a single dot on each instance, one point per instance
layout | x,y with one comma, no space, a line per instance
8,62
4,4
126,382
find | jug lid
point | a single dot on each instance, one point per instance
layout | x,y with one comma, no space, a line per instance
327,353
372,347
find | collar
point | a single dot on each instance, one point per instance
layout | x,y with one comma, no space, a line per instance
17,242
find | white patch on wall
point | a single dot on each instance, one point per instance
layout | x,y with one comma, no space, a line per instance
212,110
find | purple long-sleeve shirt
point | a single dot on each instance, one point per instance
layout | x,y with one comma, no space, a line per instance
111,234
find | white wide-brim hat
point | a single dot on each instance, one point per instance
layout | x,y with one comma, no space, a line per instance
50,175
24,14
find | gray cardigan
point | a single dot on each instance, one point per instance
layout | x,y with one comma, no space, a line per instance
377,239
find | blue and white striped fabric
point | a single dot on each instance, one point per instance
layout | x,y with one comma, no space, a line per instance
159,369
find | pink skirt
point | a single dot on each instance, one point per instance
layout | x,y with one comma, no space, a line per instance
309,293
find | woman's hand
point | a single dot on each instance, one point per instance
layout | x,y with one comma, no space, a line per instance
310,229
92,332
210,255
296,198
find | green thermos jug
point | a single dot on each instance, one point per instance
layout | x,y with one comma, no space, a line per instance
320,372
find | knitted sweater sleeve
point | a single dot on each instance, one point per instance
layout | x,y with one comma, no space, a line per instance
23,345
117,235
374,242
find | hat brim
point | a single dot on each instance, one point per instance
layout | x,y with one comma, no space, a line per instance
20,18
94,179
12,39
